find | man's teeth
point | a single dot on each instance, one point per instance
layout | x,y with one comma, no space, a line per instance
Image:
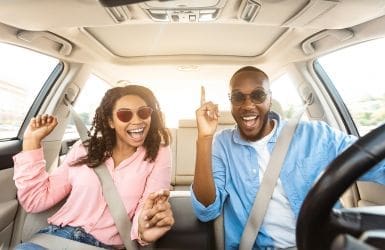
138,130
248,118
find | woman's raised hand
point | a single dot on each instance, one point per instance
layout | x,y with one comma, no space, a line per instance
38,128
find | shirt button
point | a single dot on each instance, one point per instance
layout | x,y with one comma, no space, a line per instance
254,171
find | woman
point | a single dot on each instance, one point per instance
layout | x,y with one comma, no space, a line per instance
129,136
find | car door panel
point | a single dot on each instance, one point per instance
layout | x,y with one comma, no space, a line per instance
7,150
8,200
8,206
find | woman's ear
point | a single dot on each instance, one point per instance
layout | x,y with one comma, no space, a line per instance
111,123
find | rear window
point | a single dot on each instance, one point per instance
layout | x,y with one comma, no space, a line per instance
87,102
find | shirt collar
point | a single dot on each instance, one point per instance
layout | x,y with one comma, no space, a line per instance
139,151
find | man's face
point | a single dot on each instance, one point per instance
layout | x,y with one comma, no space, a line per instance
250,104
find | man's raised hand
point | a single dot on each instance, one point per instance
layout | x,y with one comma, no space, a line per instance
207,116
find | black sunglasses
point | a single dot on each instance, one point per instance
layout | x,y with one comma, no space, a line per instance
257,96
125,115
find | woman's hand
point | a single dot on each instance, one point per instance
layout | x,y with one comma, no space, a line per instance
207,117
38,128
156,217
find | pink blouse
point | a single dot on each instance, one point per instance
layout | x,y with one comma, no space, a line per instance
85,206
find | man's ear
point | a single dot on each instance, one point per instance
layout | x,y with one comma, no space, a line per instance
270,103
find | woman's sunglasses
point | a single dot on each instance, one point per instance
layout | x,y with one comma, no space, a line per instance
125,115
257,96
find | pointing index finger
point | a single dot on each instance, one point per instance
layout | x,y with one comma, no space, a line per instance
203,95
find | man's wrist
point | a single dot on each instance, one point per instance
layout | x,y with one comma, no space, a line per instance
205,138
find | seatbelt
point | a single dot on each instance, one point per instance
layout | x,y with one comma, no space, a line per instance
263,197
79,124
54,242
110,193
115,205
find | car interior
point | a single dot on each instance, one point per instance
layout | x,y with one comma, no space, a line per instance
80,48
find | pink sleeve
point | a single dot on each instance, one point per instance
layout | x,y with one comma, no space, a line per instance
159,178
38,190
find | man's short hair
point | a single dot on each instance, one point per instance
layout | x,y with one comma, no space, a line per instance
249,68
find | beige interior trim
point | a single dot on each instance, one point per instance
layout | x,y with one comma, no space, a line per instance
309,45
313,10
371,193
7,183
8,206
64,46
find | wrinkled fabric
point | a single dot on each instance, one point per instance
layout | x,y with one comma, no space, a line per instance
85,206
313,147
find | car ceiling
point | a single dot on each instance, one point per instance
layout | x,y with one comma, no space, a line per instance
116,37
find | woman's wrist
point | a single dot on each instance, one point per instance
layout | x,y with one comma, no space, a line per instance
141,241
31,144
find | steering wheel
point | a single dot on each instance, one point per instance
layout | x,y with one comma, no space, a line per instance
316,224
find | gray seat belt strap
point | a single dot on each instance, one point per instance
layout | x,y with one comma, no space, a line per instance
115,205
53,242
110,193
80,126
261,202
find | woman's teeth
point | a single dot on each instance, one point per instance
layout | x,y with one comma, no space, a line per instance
136,133
137,130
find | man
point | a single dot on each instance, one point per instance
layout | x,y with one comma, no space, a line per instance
230,167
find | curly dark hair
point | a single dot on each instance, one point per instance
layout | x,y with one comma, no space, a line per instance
102,136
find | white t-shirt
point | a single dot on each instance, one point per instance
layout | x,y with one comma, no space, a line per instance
279,220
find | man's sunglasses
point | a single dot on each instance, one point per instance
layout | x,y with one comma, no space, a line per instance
125,115
258,96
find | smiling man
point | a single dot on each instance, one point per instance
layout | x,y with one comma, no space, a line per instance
230,166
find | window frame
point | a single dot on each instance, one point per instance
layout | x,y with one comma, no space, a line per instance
336,99
39,99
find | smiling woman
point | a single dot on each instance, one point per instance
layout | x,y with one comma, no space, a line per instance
135,149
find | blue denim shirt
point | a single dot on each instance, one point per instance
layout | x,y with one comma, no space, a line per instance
314,145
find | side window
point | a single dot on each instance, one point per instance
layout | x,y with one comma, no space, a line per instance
86,104
285,93
22,75
357,74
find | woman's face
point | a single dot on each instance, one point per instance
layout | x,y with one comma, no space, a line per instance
131,119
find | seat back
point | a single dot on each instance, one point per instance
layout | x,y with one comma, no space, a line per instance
186,136
371,194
